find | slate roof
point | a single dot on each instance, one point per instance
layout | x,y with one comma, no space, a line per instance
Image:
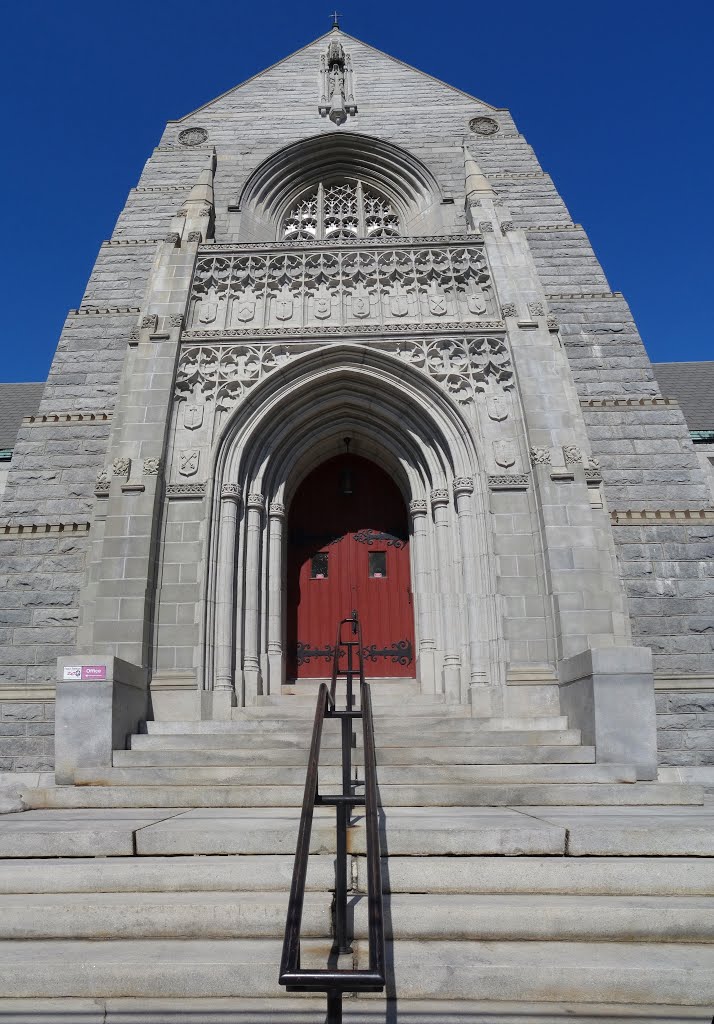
692,384
16,401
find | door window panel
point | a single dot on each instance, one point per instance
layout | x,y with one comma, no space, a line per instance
377,564
319,567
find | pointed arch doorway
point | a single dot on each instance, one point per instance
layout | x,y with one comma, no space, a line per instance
348,548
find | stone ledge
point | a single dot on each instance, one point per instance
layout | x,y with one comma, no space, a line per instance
13,692
348,330
42,529
693,682
640,516
567,226
368,244
53,418
610,403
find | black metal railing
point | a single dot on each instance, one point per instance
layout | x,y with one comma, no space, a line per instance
335,982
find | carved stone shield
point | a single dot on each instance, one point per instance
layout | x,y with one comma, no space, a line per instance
361,305
476,303
244,310
437,304
192,416
497,407
322,306
504,453
188,462
284,306
207,312
399,304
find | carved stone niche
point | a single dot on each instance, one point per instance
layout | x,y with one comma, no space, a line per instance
337,99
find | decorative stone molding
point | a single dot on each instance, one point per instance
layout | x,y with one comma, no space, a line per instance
256,501
609,403
439,496
572,455
508,481
463,367
43,529
642,517
338,245
565,226
149,322
485,227
463,485
173,238
348,331
312,288
536,309
206,212
131,241
152,467
232,492
55,418
539,456
509,309
593,475
506,226
583,295
552,322
135,334
185,490
121,467
194,236
484,126
176,320
276,509
192,136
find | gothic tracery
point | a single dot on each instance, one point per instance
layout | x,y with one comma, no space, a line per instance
340,210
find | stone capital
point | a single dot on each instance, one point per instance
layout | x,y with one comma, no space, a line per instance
418,507
463,485
231,492
276,510
256,501
439,496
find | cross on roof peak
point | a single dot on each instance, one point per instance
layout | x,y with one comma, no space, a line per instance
335,19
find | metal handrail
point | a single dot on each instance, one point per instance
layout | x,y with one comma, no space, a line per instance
335,982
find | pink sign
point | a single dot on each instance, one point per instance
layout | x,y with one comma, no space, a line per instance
85,672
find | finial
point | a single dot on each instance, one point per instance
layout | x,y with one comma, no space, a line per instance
336,19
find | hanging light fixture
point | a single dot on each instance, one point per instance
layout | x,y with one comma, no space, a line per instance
346,488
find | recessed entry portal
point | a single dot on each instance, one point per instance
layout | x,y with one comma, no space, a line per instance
348,548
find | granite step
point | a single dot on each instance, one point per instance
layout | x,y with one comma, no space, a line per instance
423,916
311,1010
259,739
660,973
415,795
405,776
151,757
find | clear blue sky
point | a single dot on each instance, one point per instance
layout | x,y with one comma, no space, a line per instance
615,97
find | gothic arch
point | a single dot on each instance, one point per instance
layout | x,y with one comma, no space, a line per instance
289,424
275,184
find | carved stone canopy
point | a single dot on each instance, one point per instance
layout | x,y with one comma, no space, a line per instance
337,99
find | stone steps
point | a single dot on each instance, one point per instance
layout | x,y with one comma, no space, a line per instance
260,739
150,756
620,972
419,917
405,776
449,718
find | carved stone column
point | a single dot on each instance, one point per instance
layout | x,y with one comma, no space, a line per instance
422,596
255,506
223,686
276,520
463,499
452,661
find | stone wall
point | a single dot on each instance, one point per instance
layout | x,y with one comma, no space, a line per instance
27,736
685,722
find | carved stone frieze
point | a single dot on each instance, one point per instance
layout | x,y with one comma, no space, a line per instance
185,490
509,309
485,227
103,482
150,322
507,225
508,481
223,374
173,238
572,455
536,309
193,236
134,334
314,288
176,320
552,322
121,467
152,467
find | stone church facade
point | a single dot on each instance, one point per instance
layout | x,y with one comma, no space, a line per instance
379,259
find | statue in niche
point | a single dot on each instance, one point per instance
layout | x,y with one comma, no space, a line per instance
336,88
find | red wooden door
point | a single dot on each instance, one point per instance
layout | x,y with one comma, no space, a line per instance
348,548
